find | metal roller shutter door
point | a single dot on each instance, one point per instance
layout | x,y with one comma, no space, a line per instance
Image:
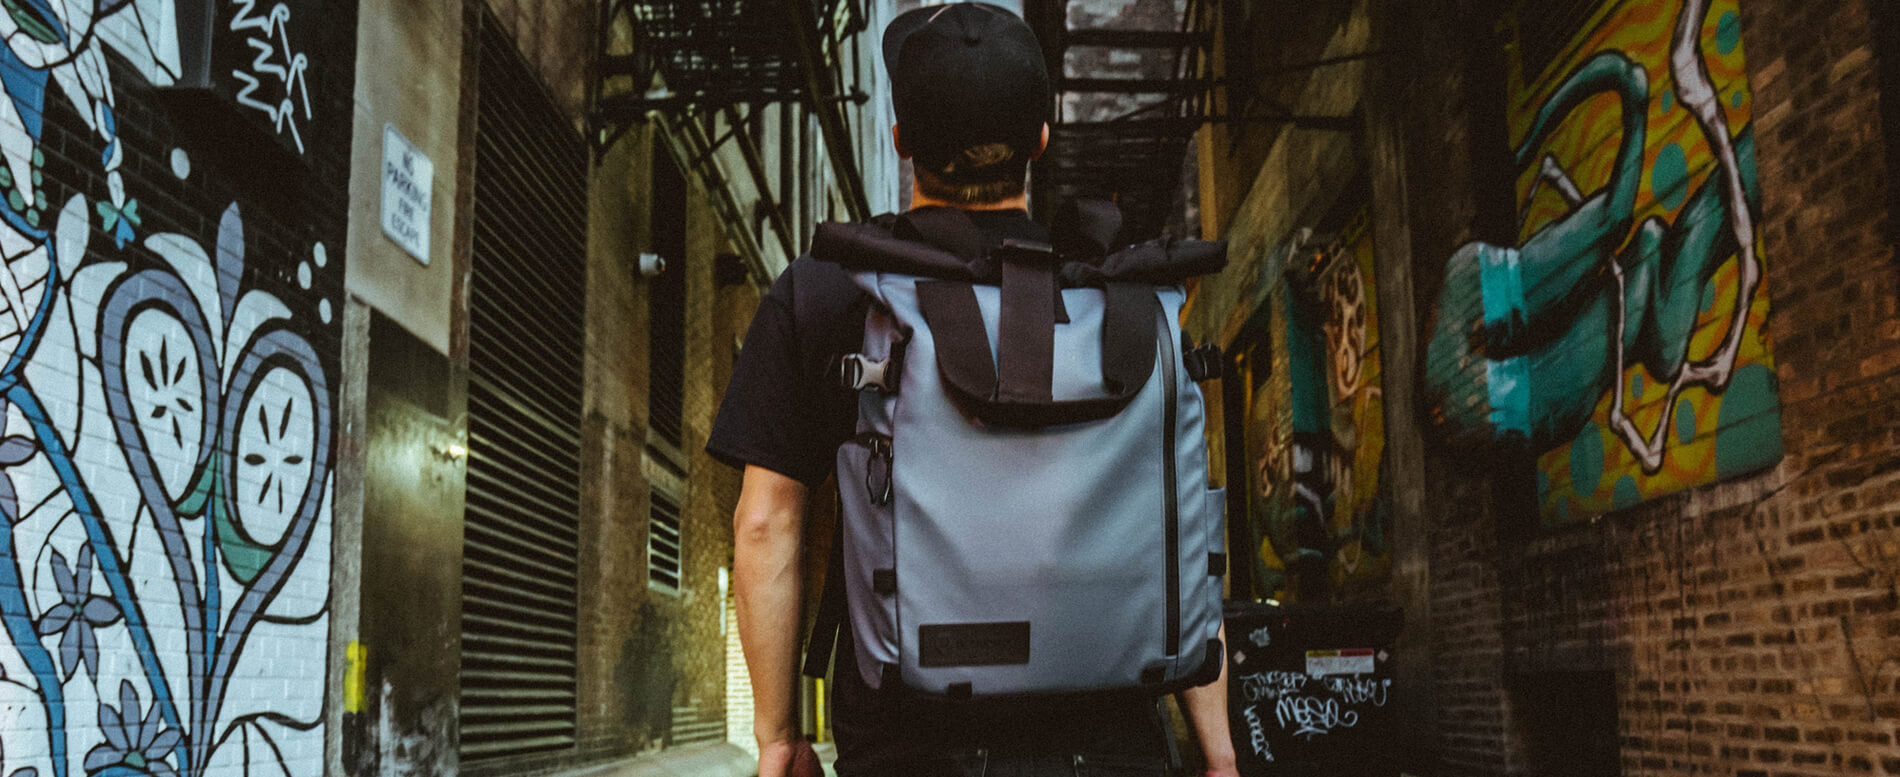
527,290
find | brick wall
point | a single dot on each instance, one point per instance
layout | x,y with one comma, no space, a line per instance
1747,627
557,38
172,302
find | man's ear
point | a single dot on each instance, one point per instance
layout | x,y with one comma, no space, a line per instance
897,141
1041,145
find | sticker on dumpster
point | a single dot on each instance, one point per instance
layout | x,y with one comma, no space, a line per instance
1261,637
1320,663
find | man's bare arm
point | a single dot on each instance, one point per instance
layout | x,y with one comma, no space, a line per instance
1206,709
767,587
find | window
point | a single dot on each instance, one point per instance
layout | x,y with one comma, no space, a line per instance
666,305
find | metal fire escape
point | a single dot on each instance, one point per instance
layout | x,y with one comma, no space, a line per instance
1133,88
1131,91
699,69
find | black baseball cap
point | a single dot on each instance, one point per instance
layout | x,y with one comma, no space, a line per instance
963,75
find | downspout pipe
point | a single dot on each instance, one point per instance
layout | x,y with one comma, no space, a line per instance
819,96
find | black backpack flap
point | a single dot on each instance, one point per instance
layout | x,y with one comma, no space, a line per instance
947,228
1020,397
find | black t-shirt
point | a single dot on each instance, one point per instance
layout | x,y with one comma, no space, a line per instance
782,412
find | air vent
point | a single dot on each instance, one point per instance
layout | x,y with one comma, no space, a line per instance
663,543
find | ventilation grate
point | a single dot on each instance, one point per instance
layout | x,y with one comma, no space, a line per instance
690,729
526,323
663,542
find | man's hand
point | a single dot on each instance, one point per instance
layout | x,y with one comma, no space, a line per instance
789,758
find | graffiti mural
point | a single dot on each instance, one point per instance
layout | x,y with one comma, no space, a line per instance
1314,421
273,81
165,442
1621,341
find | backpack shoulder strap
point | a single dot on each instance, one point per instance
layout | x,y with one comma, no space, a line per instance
833,610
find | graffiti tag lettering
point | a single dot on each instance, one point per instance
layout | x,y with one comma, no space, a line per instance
1257,734
269,38
1310,716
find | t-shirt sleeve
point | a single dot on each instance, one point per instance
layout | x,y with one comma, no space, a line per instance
776,413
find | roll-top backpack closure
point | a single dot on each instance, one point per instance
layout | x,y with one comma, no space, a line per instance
943,243
1015,388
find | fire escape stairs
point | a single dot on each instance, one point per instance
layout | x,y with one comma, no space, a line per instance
697,70
1131,95
1129,99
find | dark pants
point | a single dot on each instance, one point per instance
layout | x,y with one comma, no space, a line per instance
986,763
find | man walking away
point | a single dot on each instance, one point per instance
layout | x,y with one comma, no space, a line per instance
972,100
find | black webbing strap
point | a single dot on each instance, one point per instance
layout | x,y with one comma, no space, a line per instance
832,610
963,354
1026,352
1128,338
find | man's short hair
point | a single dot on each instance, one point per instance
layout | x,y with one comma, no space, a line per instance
983,173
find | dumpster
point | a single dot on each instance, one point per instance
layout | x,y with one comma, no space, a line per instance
1310,689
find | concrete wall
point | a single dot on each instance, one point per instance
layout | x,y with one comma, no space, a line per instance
422,41
173,295
398,571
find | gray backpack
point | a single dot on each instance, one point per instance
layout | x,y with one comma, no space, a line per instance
1025,505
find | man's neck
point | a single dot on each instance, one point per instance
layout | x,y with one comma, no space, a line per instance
921,200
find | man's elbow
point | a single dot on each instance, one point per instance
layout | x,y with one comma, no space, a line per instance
771,509
755,525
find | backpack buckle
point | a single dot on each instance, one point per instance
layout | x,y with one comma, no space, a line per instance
1028,253
1203,362
858,372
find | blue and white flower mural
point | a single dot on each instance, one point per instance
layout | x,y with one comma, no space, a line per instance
165,459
